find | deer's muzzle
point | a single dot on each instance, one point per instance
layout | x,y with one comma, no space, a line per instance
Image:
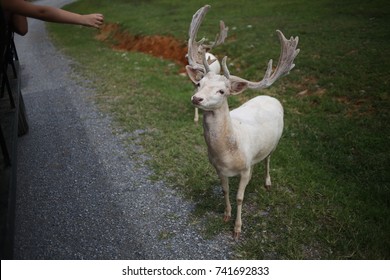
196,100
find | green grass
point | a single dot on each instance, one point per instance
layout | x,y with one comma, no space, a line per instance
330,197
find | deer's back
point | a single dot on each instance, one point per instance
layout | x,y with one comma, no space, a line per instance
261,109
260,125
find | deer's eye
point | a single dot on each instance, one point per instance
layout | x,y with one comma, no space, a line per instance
221,91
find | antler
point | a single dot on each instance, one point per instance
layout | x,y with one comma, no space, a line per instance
197,50
285,64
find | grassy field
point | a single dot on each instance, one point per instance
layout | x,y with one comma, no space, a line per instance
330,197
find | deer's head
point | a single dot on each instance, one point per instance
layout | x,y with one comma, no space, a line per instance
213,88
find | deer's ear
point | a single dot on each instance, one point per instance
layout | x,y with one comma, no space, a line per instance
194,74
237,87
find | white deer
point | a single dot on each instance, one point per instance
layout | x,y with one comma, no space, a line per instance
238,139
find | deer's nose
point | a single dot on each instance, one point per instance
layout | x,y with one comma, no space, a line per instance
196,100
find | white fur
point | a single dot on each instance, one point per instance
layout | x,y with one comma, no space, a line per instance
215,67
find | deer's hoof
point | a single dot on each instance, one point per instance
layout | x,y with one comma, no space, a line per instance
226,218
236,236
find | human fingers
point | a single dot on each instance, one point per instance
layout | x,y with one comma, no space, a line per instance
98,20
95,20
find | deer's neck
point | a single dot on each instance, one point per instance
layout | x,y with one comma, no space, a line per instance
218,131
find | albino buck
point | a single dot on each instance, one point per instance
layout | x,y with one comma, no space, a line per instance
238,139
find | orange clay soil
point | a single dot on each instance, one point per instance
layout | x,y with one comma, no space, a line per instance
160,46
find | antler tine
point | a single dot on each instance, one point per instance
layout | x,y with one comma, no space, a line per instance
196,50
220,37
226,72
197,19
288,53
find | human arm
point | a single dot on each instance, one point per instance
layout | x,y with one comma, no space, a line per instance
51,14
19,24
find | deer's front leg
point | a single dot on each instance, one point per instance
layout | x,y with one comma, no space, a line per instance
267,183
245,177
225,188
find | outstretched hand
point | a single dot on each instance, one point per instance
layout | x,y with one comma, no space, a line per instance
93,20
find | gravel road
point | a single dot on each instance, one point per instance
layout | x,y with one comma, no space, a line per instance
80,195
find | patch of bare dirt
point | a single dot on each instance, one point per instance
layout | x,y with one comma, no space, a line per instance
166,47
